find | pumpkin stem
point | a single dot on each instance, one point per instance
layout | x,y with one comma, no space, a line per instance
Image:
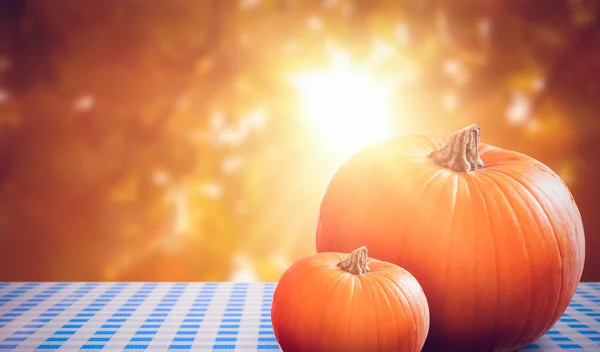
356,263
462,152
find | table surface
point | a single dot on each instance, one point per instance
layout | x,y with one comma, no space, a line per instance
194,316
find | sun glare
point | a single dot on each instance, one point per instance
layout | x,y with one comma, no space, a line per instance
347,107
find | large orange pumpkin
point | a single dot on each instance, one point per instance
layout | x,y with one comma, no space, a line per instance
338,302
493,236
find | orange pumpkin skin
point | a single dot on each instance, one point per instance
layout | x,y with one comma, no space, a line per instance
499,251
318,307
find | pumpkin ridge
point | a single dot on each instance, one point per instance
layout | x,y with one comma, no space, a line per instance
489,223
406,301
415,207
556,241
408,228
426,188
447,254
387,298
560,255
496,157
326,297
525,249
537,222
293,271
501,192
401,297
374,312
302,269
350,308
469,196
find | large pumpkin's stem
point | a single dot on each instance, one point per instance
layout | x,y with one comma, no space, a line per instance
356,263
462,152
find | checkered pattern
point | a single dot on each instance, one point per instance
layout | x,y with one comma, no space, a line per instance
194,316
136,316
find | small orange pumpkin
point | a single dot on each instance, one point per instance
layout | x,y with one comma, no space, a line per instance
493,236
338,302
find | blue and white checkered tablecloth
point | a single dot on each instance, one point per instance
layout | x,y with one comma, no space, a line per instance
194,316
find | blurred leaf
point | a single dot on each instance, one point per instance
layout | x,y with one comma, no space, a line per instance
153,140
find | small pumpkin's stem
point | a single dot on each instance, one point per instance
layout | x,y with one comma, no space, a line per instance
462,152
356,263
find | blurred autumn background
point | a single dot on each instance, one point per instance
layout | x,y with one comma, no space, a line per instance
193,140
